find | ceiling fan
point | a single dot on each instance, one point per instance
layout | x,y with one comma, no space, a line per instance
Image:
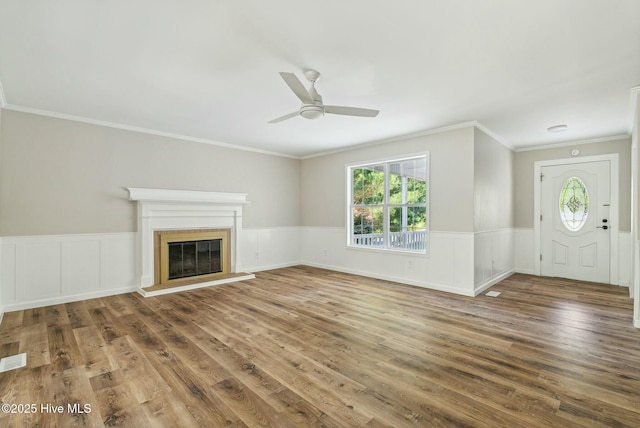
312,106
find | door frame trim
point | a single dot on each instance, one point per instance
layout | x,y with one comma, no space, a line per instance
614,213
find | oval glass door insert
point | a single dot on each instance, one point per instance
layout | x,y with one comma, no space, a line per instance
574,204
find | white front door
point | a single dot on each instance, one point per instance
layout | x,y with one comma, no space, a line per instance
575,223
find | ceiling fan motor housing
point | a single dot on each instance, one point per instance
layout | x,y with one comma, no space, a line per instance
309,111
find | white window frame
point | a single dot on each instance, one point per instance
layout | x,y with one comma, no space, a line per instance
386,205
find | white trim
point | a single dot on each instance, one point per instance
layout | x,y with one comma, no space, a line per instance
573,143
634,284
395,139
1,305
274,266
439,130
386,161
493,135
493,281
3,104
166,209
633,108
146,293
167,195
614,213
75,267
68,299
391,278
483,232
449,267
257,228
141,130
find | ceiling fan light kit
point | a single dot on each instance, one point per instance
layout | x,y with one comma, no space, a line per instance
311,112
312,106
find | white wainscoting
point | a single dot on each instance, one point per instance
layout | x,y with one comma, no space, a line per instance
636,283
525,254
625,262
269,248
44,270
38,271
523,250
494,259
449,266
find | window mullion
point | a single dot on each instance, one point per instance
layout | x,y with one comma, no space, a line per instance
385,209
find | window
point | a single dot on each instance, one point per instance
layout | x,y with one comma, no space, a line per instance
574,204
387,203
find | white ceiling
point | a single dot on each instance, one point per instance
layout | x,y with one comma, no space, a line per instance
208,70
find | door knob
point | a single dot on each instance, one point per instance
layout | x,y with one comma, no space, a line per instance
605,227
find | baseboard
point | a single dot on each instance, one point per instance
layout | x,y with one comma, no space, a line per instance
493,281
68,299
422,284
524,271
1,315
636,323
271,267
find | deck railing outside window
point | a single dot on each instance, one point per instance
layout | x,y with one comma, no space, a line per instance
413,240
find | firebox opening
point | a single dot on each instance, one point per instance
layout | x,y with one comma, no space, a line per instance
191,255
193,258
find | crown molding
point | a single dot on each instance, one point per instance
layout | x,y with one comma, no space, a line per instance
114,125
493,135
393,139
572,143
389,140
439,130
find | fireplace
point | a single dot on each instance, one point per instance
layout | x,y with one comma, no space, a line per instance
201,233
188,256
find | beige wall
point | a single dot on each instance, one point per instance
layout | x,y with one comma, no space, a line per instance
59,176
451,178
493,184
524,177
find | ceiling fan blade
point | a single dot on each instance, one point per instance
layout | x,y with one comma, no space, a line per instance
351,111
285,117
297,87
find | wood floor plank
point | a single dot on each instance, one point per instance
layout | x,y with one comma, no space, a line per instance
303,346
92,349
35,339
78,314
167,410
142,379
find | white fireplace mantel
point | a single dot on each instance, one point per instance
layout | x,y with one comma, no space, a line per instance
194,196
166,209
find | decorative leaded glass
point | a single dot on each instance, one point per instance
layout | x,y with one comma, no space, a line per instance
574,204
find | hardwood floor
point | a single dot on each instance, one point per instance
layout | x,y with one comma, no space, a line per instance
307,347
